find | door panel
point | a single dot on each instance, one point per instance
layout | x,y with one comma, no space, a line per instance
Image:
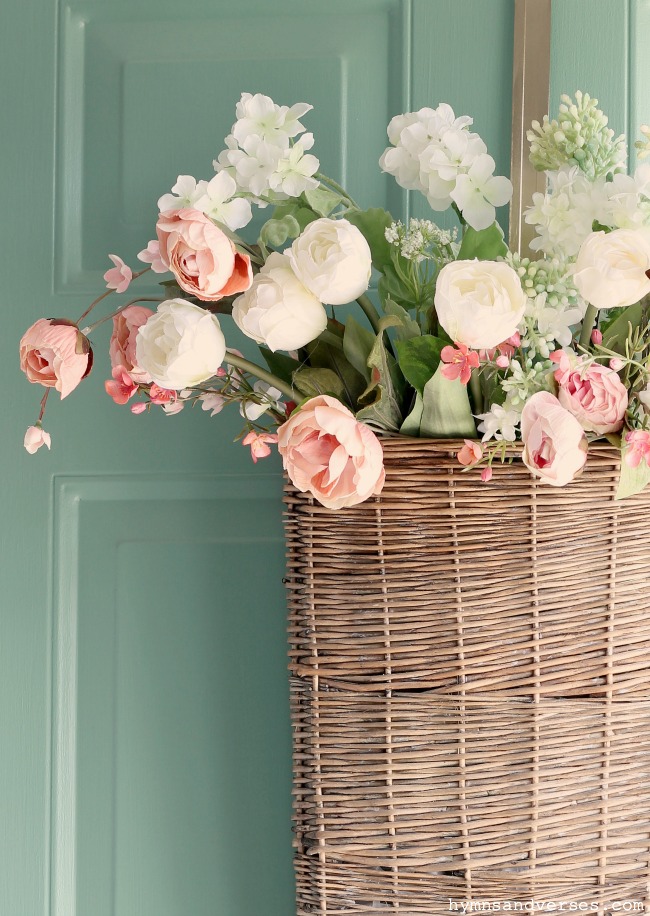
144,763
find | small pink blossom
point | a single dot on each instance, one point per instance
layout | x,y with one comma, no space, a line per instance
486,474
616,364
460,362
212,401
470,453
173,407
596,337
502,361
35,437
505,349
638,447
138,408
259,443
151,255
122,387
118,277
158,395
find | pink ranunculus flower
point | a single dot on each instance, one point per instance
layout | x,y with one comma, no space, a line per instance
204,261
122,343
118,277
121,387
555,446
637,442
55,354
35,437
470,453
328,453
593,393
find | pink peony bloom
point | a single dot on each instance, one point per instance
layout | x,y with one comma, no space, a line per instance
118,277
55,354
201,256
638,447
35,437
594,394
122,344
460,362
329,454
259,443
555,446
470,453
121,387
151,255
158,395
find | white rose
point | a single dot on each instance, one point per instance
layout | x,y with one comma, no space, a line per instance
479,303
332,258
278,310
180,345
611,268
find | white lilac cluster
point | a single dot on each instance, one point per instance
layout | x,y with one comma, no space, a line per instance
565,214
554,306
434,152
578,136
266,150
422,240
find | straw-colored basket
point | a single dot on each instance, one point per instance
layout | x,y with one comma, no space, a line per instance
471,691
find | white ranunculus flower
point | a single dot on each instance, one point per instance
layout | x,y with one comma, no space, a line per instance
479,303
278,310
611,268
181,345
332,258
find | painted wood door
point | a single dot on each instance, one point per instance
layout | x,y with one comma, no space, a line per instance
145,742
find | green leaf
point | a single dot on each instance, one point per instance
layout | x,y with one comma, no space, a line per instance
275,232
447,413
419,357
384,411
312,382
408,327
280,364
323,201
373,223
357,344
411,426
296,208
484,244
391,287
326,356
618,330
632,480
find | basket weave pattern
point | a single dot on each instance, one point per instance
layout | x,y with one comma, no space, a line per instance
470,700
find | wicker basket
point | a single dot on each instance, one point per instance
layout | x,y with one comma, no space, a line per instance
471,691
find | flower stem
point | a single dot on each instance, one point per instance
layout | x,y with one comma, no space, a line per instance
587,326
335,186
43,403
107,293
91,327
371,312
476,391
239,362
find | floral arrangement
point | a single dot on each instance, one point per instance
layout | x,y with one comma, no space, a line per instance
469,341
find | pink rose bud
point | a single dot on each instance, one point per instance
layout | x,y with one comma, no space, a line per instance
616,364
35,437
54,353
596,337
502,362
486,474
140,407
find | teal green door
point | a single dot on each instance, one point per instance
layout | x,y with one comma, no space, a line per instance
144,706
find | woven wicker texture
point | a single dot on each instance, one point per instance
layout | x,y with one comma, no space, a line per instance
471,701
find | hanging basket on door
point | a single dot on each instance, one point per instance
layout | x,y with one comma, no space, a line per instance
471,690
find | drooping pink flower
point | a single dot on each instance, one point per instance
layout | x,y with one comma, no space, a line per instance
201,256
121,387
151,255
486,474
593,393
118,277
212,401
460,361
123,338
35,437
470,453
555,446
138,408
171,408
638,447
328,453
259,443
158,395
55,354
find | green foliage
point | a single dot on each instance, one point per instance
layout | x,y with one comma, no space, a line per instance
373,224
322,201
408,327
357,345
632,480
385,389
280,364
276,232
311,382
617,330
484,244
411,425
419,358
391,286
327,356
447,413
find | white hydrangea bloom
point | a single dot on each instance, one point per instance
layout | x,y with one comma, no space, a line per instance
500,422
215,198
564,215
295,170
259,116
479,192
628,200
185,193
